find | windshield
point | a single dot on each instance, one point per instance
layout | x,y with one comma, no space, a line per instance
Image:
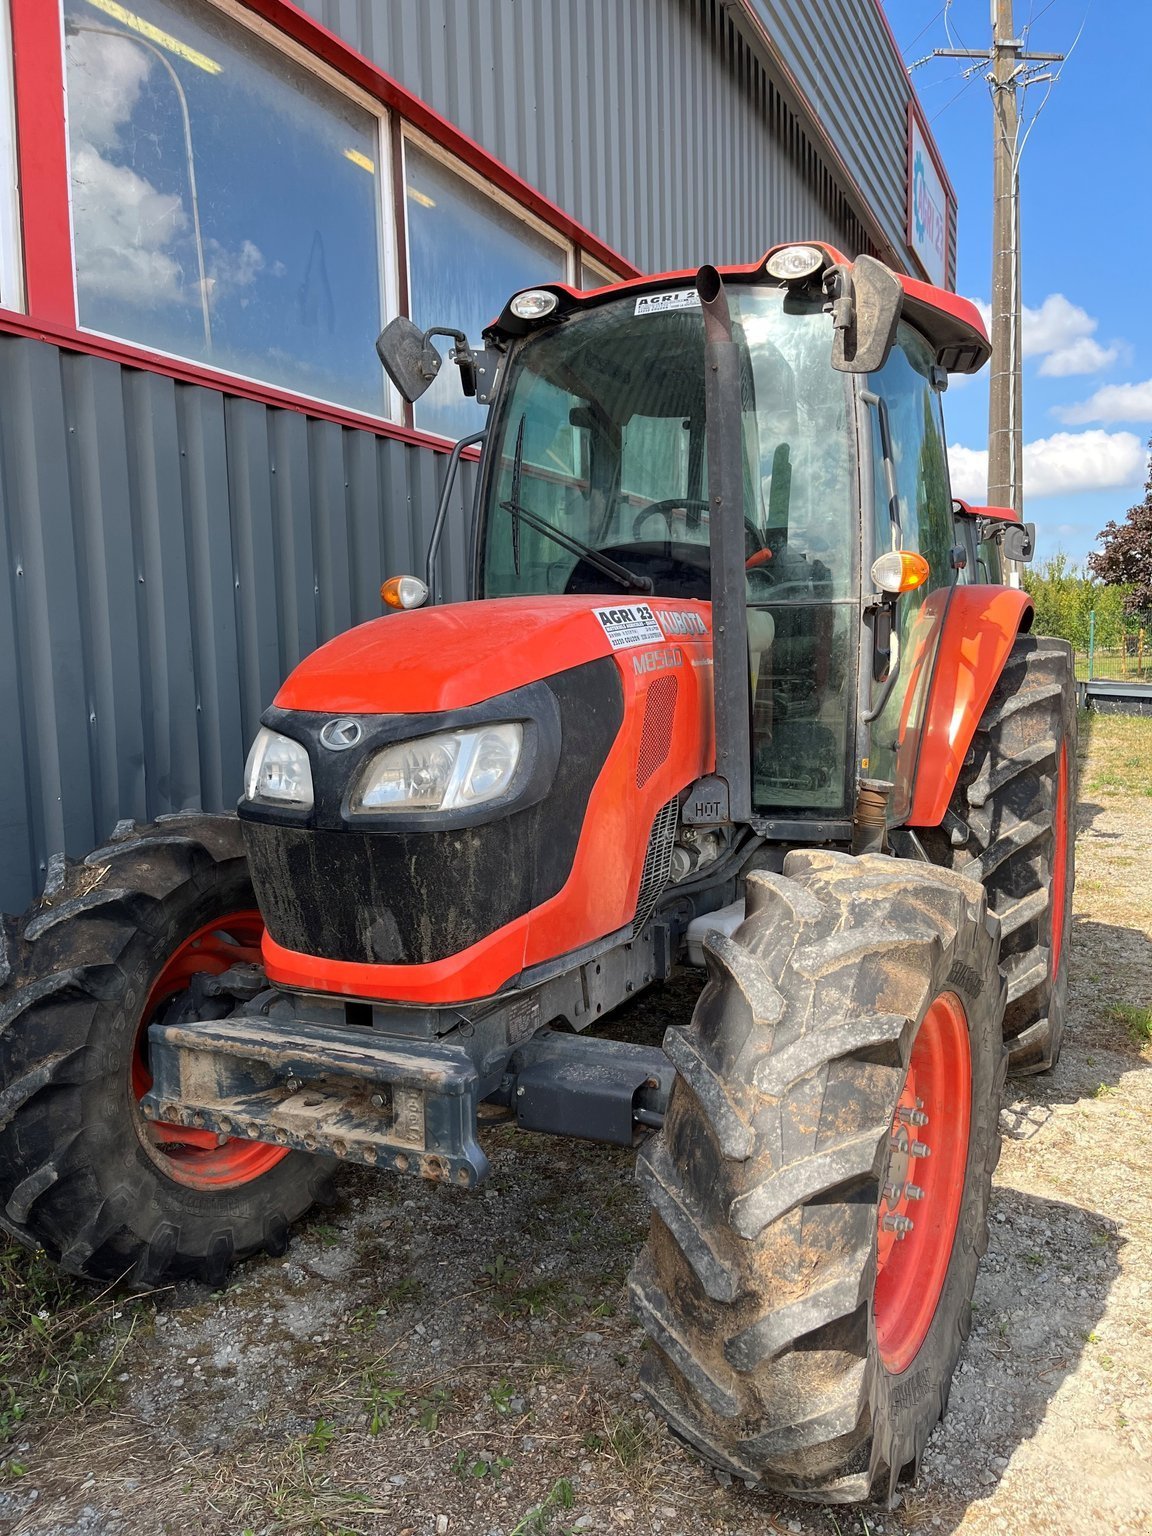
608,412
601,438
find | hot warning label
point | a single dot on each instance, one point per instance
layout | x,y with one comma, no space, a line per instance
630,624
657,303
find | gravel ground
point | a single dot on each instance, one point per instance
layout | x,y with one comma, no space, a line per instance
427,1362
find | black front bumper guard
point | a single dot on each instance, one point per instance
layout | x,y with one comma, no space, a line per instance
403,1103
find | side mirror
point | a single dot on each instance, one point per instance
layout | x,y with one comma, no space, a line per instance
866,302
410,360
1018,541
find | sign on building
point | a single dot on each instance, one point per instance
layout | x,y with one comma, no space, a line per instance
927,204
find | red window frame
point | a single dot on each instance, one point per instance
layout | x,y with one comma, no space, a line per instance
45,217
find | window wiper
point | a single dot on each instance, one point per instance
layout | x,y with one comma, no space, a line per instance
517,510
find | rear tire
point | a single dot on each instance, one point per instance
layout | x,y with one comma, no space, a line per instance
81,1173
773,1351
1017,797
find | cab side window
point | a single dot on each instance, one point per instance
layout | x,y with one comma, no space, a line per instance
919,456
920,521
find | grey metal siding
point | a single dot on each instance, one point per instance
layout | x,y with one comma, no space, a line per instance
169,553
652,123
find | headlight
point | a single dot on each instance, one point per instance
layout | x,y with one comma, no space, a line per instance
451,770
278,770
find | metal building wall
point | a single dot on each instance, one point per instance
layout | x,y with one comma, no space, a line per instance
652,122
169,553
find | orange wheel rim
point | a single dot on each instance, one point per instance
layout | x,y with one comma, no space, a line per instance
1059,886
194,1157
924,1184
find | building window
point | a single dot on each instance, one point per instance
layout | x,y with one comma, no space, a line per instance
11,276
467,255
226,202
593,274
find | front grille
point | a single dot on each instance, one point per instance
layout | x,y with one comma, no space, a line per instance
656,735
657,862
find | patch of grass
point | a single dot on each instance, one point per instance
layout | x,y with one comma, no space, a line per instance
629,1438
1119,749
55,1358
538,1520
406,1289
1137,1021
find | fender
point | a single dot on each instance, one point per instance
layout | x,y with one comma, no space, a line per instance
976,633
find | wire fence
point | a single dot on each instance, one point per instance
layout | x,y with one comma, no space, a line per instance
1130,662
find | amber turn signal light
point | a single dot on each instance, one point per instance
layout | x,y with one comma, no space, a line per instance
404,592
900,570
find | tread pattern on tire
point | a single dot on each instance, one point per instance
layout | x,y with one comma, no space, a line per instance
75,964
755,1286
1006,797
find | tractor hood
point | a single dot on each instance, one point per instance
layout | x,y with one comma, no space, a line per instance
458,655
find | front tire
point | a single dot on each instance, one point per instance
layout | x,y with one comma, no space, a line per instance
82,1174
791,1343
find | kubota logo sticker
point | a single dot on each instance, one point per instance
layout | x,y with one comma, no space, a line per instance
629,624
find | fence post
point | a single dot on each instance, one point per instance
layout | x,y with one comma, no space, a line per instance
1091,641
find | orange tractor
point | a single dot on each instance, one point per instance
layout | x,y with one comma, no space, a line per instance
740,684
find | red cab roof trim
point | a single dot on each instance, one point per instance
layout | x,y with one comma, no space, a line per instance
953,324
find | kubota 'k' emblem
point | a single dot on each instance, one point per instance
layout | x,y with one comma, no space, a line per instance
339,735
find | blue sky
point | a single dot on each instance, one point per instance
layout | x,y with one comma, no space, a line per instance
1086,224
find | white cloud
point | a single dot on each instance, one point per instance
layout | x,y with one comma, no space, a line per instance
1112,402
105,76
1084,355
1060,465
123,230
1061,334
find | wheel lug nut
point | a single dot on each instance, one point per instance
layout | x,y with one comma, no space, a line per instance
893,1191
912,1116
901,1225
913,1191
919,1149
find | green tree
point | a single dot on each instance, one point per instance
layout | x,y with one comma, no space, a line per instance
1126,558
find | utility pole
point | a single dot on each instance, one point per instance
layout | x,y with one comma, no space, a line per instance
1010,67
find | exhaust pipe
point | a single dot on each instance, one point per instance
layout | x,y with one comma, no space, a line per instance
730,678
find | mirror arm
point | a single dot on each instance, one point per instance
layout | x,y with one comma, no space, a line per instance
430,580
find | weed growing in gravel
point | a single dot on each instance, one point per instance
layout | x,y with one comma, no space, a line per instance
55,1355
431,1406
479,1464
629,1438
539,1519
1137,1020
319,1438
381,1396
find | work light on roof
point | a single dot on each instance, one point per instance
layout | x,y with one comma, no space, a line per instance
534,304
794,263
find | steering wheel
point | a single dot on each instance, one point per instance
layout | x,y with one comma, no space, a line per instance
760,553
665,509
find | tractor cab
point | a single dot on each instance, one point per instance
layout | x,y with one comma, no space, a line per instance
600,476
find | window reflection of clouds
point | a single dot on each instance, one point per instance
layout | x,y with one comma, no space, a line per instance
467,256
125,226
245,234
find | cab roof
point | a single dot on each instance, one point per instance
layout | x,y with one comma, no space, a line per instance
952,325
